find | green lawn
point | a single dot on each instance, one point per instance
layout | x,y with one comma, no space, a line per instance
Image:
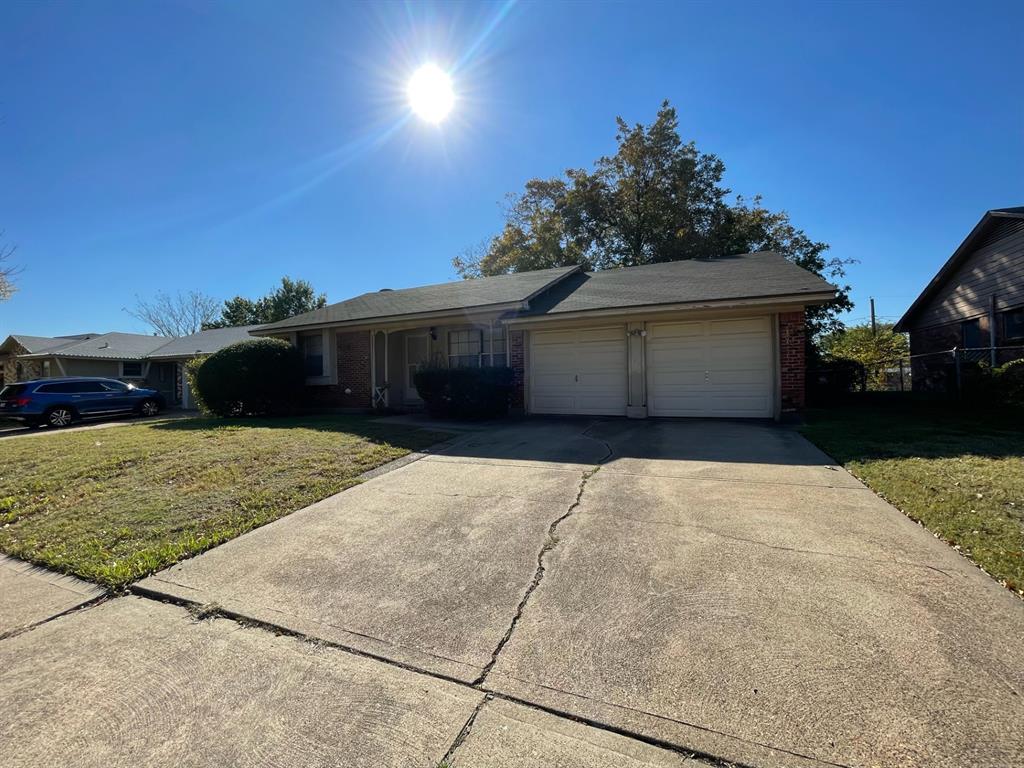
959,474
113,505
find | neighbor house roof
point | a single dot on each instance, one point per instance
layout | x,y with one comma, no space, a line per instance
108,346
960,255
693,281
43,343
203,343
512,291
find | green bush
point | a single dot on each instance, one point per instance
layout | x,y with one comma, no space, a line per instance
465,393
261,376
1008,382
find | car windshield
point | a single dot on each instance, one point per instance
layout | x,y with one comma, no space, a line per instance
11,391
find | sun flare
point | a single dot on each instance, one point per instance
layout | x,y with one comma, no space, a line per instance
430,93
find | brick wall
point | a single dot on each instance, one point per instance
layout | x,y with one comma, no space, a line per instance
517,361
353,355
30,369
792,360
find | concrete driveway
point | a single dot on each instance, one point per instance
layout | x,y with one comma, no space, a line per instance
574,594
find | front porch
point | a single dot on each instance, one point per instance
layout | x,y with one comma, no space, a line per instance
396,355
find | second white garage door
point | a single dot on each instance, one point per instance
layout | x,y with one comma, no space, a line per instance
578,371
710,368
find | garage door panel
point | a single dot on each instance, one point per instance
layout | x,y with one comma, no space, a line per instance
710,368
757,379
738,406
615,335
743,326
579,371
668,380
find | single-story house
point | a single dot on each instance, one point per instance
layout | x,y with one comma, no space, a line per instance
176,352
710,337
156,362
975,302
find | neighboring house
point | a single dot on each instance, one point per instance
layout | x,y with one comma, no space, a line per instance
715,337
12,368
975,302
156,362
173,355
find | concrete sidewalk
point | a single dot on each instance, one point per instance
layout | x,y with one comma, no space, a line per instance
30,594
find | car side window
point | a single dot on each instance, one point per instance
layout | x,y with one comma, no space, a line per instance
82,387
114,386
55,389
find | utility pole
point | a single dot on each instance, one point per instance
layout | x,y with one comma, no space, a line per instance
874,325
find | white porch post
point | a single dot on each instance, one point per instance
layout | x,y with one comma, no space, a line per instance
186,394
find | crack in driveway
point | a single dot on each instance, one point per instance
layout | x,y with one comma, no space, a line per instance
550,542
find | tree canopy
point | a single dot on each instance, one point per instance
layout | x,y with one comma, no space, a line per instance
656,199
871,349
292,297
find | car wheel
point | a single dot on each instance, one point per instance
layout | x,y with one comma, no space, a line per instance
59,417
149,408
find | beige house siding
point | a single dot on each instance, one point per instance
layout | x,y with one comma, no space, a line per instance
996,269
110,369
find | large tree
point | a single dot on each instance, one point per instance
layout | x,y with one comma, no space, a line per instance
292,297
656,199
175,315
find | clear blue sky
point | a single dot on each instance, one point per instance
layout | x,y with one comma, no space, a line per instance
150,146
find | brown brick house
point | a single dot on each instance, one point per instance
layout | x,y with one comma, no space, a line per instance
974,304
710,337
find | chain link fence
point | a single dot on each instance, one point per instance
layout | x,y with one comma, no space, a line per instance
950,373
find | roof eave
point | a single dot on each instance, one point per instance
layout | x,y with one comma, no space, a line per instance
385,319
805,299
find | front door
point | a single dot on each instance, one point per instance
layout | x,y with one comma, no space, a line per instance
417,354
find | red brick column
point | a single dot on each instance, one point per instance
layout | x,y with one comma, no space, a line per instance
792,359
354,369
353,353
517,361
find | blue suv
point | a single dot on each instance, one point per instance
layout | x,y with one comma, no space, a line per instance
58,402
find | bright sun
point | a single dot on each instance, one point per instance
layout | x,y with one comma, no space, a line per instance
430,93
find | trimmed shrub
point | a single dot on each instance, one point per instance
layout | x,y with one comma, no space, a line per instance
465,393
249,378
1009,383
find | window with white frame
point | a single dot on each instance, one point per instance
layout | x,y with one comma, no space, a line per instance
477,347
131,369
312,347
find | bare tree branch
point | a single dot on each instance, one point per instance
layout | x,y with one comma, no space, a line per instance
179,315
7,286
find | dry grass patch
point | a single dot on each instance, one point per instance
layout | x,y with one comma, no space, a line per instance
117,504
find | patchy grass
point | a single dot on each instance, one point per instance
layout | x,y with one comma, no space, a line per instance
960,474
114,505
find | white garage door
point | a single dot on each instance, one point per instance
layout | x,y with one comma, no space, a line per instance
710,368
578,371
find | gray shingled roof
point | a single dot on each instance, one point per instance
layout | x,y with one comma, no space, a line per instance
45,343
454,296
746,276
109,346
204,342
